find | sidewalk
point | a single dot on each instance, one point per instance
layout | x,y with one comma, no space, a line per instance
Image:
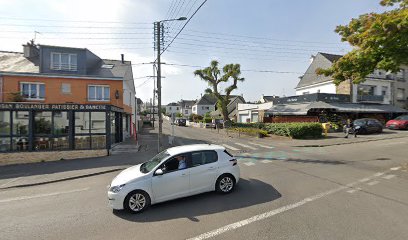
123,155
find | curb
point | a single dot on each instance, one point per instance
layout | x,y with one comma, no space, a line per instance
346,143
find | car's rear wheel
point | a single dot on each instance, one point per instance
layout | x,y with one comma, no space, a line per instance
225,183
137,201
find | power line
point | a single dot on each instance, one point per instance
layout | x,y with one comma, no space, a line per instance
79,33
170,8
76,21
63,26
183,26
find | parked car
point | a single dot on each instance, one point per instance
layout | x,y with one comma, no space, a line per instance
180,122
400,122
367,126
207,168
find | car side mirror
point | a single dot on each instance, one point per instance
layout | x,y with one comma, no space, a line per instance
159,172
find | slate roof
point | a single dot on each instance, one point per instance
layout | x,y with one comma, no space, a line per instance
321,60
139,101
207,99
189,103
15,62
173,104
269,98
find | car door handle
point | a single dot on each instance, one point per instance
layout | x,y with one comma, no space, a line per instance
211,168
183,174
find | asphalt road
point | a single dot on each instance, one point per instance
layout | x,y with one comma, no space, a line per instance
355,191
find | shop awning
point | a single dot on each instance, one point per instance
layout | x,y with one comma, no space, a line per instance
289,109
357,107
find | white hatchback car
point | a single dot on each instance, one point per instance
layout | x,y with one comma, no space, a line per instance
174,173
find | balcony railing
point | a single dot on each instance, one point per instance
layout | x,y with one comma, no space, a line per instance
370,98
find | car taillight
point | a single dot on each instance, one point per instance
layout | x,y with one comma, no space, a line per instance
234,162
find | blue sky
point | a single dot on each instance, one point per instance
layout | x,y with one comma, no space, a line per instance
272,40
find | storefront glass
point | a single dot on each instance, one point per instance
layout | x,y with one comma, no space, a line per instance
4,123
20,123
42,123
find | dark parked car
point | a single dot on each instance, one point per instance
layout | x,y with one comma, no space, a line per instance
181,122
367,125
400,122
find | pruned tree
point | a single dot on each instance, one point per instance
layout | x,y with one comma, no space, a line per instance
380,41
212,75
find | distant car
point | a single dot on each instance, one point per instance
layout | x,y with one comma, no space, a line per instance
400,122
207,168
180,122
368,125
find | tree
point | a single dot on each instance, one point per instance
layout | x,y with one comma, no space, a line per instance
380,41
212,75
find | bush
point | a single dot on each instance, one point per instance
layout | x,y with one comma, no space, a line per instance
295,130
248,125
251,131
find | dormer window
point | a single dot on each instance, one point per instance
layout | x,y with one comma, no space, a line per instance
107,66
64,61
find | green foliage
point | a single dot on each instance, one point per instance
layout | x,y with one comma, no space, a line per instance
207,120
179,115
16,97
250,131
380,41
249,125
195,117
212,75
295,130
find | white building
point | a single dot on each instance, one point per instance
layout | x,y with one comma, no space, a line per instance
173,108
204,105
249,113
379,87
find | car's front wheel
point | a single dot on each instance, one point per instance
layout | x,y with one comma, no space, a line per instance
225,183
137,201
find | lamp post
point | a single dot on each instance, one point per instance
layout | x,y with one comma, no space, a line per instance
158,26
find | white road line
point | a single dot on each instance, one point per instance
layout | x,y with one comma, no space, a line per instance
266,161
13,180
395,168
378,174
41,195
389,176
230,147
272,213
244,145
260,145
364,180
373,183
354,190
249,163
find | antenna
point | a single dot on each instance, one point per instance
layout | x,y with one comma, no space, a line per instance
35,36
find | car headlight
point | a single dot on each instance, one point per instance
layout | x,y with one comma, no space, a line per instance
116,189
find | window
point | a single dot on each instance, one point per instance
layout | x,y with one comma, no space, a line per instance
169,108
64,61
98,93
186,111
204,157
33,91
177,108
107,66
66,88
5,123
384,90
366,90
400,93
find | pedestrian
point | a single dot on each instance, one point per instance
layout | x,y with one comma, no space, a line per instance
348,126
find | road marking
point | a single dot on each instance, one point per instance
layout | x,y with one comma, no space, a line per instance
13,180
244,145
378,174
389,176
364,180
260,145
395,168
41,195
249,163
272,213
354,190
230,147
373,183
266,161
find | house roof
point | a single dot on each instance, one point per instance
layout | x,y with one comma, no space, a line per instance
15,62
358,107
207,99
269,98
289,109
321,60
139,101
173,104
185,103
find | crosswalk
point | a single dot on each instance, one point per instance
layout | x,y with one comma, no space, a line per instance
236,146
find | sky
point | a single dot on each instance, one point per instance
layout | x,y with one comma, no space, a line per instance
272,40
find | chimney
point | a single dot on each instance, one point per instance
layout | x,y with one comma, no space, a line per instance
123,58
31,50
312,57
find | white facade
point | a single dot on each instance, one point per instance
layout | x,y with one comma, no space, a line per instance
326,87
170,109
202,109
250,112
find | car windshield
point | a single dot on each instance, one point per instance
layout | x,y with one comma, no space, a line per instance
359,122
152,163
405,117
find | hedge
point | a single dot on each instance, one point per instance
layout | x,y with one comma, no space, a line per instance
295,130
251,131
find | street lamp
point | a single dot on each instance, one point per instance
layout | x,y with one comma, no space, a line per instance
157,25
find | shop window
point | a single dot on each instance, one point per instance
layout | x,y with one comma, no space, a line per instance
82,121
61,123
98,122
20,144
82,142
4,122
42,123
20,123
4,144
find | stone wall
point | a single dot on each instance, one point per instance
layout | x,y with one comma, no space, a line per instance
30,157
